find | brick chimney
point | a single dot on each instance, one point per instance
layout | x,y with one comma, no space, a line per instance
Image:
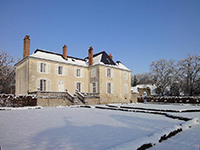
26,51
110,55
65,51
90,55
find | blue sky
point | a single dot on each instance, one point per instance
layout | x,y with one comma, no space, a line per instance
135,32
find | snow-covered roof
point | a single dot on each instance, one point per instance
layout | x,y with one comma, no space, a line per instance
101,58
59,58
150,86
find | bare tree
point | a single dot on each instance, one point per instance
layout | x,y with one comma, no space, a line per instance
142,78
189,71
7,72
162,74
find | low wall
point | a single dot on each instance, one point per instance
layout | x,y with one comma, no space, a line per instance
134,97
171,99
52,98
93,101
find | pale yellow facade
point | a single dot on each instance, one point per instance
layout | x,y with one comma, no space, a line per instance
93,79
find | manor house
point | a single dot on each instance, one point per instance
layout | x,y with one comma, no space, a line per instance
96,76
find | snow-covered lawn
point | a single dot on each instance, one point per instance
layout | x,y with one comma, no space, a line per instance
177,107
187,140
65,128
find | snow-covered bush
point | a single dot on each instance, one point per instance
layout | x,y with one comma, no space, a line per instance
9,100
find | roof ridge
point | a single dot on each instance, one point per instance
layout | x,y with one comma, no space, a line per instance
45,51
96,54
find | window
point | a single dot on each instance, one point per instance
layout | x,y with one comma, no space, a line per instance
125,89
78,72
94,87
43,67
42,85
78,86
125,76
109,88
93,72
109,72
60,70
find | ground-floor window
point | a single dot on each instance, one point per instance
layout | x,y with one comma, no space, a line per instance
43,85
78,86
109,88
94,87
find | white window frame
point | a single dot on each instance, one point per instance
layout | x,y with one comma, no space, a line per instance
94,87
46,84
43,67
60,70
63,72
43,85
109,72
78,73
78,88
109,88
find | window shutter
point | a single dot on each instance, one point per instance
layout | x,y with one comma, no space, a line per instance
38,84
48,68
96,87
112,88
82,87
106,87
112,73
75,72
106,72
56,69
48,85
75,87
38,67
82,73
91,88
65,71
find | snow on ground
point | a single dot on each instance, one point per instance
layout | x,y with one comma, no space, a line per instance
187,140
179,107
20,108
76,128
